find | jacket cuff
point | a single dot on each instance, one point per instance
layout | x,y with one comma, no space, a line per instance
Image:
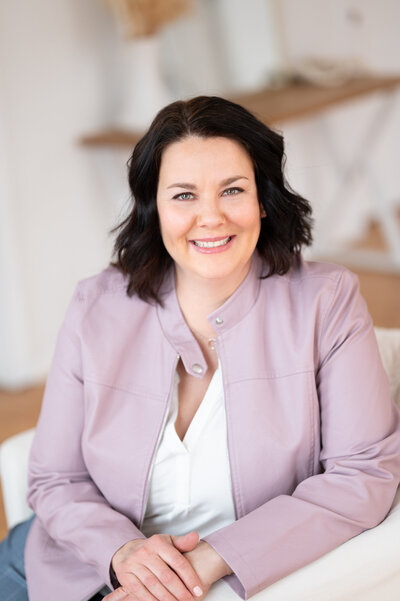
238,579
113,578
103,564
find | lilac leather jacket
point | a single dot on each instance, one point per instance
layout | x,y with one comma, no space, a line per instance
313,437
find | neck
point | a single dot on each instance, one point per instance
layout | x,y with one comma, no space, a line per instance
198,297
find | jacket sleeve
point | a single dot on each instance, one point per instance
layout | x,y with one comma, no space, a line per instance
360,459
61,493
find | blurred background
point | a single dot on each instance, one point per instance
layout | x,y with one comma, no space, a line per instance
81,79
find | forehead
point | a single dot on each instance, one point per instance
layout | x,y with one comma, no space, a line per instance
195,153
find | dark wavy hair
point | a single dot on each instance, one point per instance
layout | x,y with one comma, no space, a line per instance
139,249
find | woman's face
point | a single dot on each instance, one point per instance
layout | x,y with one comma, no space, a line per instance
208,208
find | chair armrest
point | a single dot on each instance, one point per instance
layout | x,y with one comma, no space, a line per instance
14,455
365,568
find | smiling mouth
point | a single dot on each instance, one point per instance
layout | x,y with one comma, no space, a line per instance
213,244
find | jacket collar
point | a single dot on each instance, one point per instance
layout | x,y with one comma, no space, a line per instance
223,319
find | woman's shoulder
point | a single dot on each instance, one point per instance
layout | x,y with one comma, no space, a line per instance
318,273
313,284
106,288
100,296
108,281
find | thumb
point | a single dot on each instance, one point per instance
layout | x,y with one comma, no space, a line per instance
185,542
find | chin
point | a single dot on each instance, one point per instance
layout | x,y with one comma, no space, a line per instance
220,273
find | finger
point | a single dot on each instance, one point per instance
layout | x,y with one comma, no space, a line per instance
183,568
118,595
167,583
185,542
134,585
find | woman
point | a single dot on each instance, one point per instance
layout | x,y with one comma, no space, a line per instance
216,407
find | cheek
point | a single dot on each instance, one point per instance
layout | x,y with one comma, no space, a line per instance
174,224
248,218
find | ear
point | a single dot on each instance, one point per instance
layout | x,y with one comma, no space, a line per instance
262,211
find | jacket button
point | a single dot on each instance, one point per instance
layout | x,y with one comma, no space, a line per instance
197,369
219,321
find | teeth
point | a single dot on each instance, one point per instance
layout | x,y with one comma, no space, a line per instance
212,244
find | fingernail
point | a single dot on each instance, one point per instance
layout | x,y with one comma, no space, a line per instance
197,591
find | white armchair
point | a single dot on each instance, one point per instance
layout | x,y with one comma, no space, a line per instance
14,455
365,568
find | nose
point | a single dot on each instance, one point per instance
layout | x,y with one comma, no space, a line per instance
210,213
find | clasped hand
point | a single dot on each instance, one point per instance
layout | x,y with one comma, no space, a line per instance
166,568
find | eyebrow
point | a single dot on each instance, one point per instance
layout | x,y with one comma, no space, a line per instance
224,182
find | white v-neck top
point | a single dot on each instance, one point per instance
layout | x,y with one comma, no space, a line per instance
190,482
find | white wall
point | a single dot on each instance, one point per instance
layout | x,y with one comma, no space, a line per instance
223,46
54,219
364,31
249,42
359,29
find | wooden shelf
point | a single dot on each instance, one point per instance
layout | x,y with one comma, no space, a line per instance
112,138
299,100
272,105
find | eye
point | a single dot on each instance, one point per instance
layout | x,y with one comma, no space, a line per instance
232,191
183,196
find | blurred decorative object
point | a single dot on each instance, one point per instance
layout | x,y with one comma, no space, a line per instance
323,72
320,72
143,87
146,17
144,90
